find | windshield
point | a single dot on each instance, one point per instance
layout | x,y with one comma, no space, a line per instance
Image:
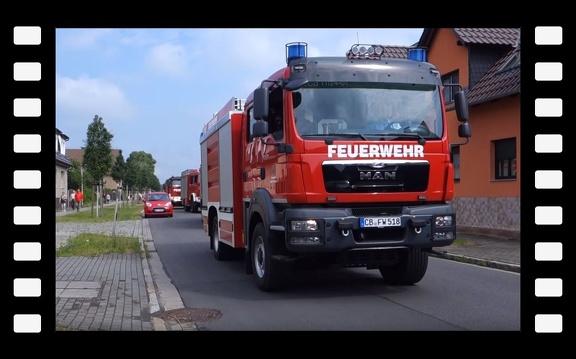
368,109
158,197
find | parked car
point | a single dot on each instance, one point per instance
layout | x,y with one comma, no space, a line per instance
158,204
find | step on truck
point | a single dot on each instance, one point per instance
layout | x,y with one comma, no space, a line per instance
334,161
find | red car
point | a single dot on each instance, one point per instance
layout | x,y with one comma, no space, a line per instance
158,204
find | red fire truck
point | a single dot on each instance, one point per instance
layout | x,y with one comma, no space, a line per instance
334,161
190,190
173,187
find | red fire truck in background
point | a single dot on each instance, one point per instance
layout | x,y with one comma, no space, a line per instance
190,193
334,161
173,187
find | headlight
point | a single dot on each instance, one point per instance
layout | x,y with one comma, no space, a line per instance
443,221
168,204
306,225
148,204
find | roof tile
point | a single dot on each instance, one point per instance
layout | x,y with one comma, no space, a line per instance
503,79
488,35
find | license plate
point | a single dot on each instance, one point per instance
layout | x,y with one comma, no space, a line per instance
378,222
158,209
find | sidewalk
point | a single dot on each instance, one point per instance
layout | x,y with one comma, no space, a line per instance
485,251
125,292
117,292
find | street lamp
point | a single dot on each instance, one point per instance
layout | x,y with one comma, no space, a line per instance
82,179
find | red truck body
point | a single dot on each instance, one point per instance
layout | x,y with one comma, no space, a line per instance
337,179
191,190
173,186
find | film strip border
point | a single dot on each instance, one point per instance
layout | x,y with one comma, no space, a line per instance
548,180
29,54
28,182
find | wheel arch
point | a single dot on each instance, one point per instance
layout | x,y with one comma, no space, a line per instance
260,210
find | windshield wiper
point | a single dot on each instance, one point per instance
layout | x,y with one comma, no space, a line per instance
421,140
332,134
391,136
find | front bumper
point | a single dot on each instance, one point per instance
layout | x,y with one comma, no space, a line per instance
340,229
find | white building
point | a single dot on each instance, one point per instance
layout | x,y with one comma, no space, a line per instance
63,163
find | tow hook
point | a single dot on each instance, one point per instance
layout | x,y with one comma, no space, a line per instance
345,225
417,224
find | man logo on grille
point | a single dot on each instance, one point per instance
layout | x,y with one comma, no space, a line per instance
378,175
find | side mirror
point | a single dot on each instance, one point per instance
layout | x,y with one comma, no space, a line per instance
261,103
461,106
260,129
464,130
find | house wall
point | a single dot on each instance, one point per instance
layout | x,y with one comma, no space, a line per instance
483,205
61,183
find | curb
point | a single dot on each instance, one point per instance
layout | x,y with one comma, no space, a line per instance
157,282
478,261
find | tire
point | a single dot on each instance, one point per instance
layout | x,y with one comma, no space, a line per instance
268,272
410,269
187,208
221,251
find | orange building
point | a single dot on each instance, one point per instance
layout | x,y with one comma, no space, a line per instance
486,61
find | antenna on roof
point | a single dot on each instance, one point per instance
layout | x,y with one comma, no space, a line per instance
357,38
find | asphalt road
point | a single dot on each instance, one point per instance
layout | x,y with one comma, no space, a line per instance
453,296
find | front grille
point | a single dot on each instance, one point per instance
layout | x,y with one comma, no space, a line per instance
379,234
362,178
366,257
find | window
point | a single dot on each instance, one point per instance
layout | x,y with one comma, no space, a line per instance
505,159
455,153
451,78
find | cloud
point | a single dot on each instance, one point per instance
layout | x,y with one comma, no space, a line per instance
168,59
84,97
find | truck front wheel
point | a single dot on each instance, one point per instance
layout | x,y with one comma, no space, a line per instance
410,268
268,271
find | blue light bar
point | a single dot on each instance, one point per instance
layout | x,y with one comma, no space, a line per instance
417,54
296,50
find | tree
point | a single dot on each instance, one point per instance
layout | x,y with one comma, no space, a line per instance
139,173
119,168
98,150
76,175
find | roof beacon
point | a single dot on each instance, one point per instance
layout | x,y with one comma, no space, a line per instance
417,54
296,50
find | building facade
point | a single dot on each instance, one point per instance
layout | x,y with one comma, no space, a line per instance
63,163
486,61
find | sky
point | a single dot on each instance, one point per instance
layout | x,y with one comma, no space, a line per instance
155,89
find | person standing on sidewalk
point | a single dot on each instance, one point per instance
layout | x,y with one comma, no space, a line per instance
73,200
63,201
79,198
